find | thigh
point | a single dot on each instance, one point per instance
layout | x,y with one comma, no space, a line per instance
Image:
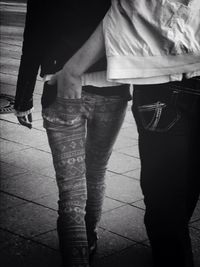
168,120
65,126
103,128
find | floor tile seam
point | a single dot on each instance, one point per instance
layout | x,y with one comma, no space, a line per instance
12,4
138,200
131,139
12,165
11,36
11,57
117,234
124,202
121,146
137,206
17,123
135,179
143,243
134,145
14,205
23,149
120,235
6,43
135,244
112,209
112,172
26,171
44,233
5,177
2,83
12,162
4,60
44,175
47,152
121,173
132,170
124,153
27,146
38,128
124,175
114,253
13,47
121,153
130,146
10,74
121,201
26,200
25,238
114,199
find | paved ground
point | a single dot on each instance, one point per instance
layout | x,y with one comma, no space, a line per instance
28,192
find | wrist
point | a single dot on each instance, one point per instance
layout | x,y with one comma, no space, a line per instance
87,55
72,70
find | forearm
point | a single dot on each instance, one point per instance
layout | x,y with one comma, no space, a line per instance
88,54
69,78
32,52
25,86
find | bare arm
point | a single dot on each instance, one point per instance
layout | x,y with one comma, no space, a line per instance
69,78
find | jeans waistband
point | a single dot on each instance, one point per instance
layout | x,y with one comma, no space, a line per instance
191,85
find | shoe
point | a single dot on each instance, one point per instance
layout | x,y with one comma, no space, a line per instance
92,246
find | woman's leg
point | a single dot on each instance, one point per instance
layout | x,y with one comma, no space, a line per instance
65,128
105,120
168,119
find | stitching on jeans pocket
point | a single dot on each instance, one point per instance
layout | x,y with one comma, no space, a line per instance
61,120
158,117
187,100
150,115
63,113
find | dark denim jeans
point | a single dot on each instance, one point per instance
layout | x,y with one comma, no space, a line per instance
81,134
168,121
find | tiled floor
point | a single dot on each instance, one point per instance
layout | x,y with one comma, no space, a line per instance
28,192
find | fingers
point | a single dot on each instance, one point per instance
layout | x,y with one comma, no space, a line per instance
68,85
23,121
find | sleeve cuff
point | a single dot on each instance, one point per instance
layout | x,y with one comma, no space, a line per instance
23,113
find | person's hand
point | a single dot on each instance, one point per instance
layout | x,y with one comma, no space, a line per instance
68,84
26,120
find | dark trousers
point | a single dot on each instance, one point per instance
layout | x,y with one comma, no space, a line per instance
168,121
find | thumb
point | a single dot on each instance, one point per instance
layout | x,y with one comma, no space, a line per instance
53,79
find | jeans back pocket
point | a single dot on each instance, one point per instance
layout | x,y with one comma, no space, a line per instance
187,99
158,116
64,112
